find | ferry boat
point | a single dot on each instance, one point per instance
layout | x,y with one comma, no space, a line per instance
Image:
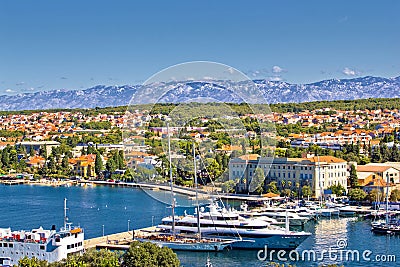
251,233
50,245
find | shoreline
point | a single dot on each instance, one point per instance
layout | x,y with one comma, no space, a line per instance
189,192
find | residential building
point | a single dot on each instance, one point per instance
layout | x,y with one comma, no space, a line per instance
84,165
381,169
37,145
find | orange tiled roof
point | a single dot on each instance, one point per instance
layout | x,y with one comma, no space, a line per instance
372,168
250,157
329,159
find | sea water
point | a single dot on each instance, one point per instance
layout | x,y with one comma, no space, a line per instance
114,209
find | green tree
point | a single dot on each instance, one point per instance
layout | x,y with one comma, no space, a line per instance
395,154
272,188
31,151
376,155
257,182
337,189
357,194
228,186
149,255
213,168
375,195
121,163
32,262
5,158
98,164
110,165
287,192
353,176
65,163
306,191
395,195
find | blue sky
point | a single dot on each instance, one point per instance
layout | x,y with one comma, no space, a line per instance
72,44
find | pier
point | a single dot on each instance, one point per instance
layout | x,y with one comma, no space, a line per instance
118,241
13,182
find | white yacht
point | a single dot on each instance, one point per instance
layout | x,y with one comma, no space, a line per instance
50,245
252,233
277,214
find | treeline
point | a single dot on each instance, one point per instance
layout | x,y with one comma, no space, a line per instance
138,254
359,104
7,134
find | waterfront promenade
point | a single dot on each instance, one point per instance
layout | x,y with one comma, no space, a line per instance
205,193
117,241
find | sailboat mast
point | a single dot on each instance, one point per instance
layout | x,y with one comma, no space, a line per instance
172,182
197,194
65,213
387,198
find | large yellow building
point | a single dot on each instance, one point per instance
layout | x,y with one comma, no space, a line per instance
84,165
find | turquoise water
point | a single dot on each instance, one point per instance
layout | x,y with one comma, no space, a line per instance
26,207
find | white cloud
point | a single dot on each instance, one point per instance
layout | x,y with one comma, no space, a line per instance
349,72
261,73
9,91
277,69
231,70
276,78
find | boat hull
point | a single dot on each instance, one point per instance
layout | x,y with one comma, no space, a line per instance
208,246
383,230
284,242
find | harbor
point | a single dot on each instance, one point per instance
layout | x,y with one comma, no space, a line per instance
113,210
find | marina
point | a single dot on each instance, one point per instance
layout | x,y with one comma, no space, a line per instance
110,210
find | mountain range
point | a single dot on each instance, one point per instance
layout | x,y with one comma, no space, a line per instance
272,91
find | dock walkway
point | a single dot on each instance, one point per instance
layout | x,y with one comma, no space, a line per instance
118,241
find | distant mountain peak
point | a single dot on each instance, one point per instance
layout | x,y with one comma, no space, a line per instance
273,92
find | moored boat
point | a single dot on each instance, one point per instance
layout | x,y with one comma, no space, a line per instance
252,233
194,242
50,245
